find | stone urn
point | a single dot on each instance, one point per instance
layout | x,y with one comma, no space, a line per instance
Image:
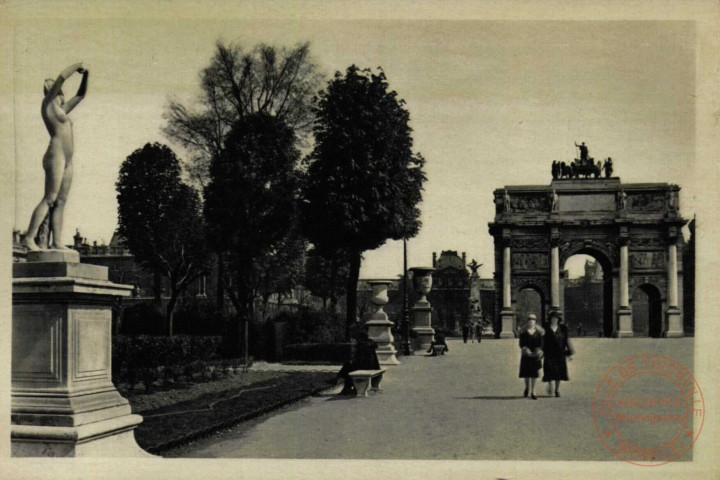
379,327
422,311
422,282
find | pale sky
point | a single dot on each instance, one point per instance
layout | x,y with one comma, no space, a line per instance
491,104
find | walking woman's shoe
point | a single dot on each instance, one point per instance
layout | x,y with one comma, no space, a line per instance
533,396
525,393
557,394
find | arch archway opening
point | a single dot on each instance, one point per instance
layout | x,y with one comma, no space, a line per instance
647,311
587,294
529,300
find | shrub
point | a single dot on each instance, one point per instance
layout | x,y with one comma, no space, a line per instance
142,319
140,357
198,318
311,326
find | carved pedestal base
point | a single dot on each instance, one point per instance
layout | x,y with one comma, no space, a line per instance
424,333
624,323
378,328
108,438
63,400
507,318
674,323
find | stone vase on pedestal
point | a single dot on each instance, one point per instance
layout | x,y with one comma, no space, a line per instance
64,403
379,327
422,311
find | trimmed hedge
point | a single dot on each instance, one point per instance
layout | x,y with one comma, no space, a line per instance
139,358
319,352
312,326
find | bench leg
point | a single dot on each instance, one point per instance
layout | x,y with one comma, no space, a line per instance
361,386
375,383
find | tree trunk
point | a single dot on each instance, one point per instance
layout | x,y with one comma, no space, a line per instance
157,286
170,311
245,300
220,300
333,282
351,294
235,334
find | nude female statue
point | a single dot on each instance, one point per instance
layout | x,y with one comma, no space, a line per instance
57,161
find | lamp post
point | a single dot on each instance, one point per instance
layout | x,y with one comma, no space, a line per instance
406,350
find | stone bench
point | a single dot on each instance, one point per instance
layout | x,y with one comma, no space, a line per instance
438,350
362,379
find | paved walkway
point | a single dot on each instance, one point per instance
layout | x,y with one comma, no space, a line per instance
465,405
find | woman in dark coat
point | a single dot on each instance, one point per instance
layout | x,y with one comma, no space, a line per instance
557,348
531,339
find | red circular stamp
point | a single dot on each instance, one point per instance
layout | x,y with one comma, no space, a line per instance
648,410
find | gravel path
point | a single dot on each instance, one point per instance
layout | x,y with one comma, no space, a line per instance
465,405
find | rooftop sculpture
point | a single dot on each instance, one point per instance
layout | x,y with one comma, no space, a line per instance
584,167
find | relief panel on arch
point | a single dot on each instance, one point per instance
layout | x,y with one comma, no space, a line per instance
530,261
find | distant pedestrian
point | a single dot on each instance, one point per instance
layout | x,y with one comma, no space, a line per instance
465,331
531,338
557,348
478,331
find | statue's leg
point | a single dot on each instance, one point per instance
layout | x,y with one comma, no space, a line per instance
54,164
56,220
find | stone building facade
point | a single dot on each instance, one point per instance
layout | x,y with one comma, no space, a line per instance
450,294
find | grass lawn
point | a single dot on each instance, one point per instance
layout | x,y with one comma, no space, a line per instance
179,413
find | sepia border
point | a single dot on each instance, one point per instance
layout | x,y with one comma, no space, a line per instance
704,13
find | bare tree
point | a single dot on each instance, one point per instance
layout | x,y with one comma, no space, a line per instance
268,79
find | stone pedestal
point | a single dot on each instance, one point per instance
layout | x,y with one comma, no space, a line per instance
624,323
64,403
379,332
379,327
424,333
674,323
507,318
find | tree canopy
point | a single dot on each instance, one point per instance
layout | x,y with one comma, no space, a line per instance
251,200
160,218
275,80
363,182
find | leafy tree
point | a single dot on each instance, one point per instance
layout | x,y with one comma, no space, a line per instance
237,83
280,269
160,219
268,79
250,203
326,275
363,182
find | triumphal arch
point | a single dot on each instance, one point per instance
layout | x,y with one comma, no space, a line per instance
632,230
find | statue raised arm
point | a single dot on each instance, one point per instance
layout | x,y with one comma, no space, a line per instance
57,161
583,153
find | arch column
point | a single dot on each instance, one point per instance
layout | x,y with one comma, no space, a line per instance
673,314
554,274
507,314
624,313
